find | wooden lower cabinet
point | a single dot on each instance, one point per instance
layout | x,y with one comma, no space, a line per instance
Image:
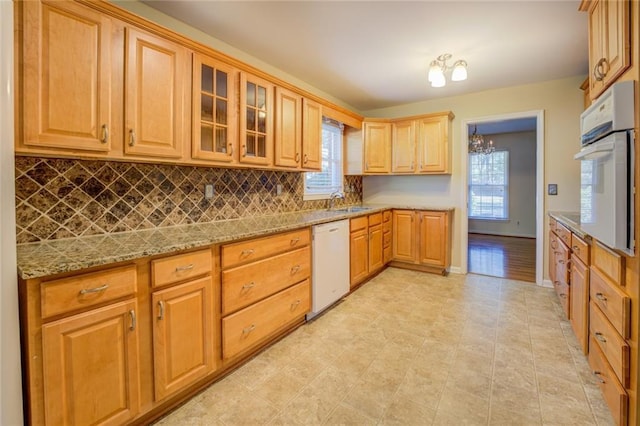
580,302
614,394
358,258
90,367
366,247
183,337
422,240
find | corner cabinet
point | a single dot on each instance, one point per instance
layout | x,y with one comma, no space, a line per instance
609,42
215,115
256,120
67,80
155,120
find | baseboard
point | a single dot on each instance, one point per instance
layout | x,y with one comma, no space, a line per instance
498,234
456,270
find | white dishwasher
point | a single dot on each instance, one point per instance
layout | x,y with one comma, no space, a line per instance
330,264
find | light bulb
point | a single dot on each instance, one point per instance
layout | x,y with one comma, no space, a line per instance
459,71
438,80
434,71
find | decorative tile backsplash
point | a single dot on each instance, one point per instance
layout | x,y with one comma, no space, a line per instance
68,198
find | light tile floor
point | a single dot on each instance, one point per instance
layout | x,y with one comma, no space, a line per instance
410,348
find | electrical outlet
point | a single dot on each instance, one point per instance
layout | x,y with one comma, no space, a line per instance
209,191
278,189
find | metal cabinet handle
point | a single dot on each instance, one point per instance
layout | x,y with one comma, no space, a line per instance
295,241
563,295
295,304
132,137
244,150
600,337
160,309
184,268
230,150
599,71
132,314
94,290
576,249
297,157
598,374
105,134
248,252
249,285
249,329
295,269
601,297
306,159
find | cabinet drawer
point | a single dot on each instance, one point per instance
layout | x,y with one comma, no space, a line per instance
249,283
386,239
563,233
612,391
180,267
259,248
387,254
580,248
615,349
609,262
386,226
82,291
246,328
358,223
552,224
386,217
563,291
562,259
375,219
613,302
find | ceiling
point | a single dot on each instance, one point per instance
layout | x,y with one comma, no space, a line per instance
375,54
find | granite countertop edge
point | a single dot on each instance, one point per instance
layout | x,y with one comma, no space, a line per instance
48,258
572,221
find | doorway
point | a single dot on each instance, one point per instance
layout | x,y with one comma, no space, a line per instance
503,224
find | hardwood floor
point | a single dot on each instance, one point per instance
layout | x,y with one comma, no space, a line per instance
506,257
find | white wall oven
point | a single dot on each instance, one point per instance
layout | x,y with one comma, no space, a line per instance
607,157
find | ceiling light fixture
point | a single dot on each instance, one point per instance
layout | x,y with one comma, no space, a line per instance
477,144
438,67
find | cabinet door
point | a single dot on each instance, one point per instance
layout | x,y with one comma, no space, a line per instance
433,145
377,141
156,77
434,241
182,335
311,135
256,120
580,302
403,141
359,249
67,83
288,132
376,260
90,367
214,133
404,241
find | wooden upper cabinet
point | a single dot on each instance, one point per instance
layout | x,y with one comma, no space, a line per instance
67,81
155,76
403,152
434,146
377,144
288,128
256,120
91,367
311,135
434,239
215,117
609,42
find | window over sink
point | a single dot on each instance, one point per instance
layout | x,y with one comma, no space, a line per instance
320,185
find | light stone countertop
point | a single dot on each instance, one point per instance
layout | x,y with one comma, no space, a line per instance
46,258
572,221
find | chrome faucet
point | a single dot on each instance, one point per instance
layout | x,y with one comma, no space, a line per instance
332,198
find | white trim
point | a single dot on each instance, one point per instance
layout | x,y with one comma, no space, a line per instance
456,270
547,283
539,115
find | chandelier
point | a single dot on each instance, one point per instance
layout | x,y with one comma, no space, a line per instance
478,145
438,67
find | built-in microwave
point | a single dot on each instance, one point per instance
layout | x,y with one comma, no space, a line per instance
606,168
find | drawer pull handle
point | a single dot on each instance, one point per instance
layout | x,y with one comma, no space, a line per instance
601,297
563,295
184,268
295,269
246,253
295,241
132,314
295,304
94,290
576,248
160,309
249,285
601,337
248,329
599,376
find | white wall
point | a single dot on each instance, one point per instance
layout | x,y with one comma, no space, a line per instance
522,187
10,378
562,103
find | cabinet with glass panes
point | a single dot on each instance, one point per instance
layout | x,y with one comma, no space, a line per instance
215,134
256,120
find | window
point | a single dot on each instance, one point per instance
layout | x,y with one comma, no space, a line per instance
319,185
488,185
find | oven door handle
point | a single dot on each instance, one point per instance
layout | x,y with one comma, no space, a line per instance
595,151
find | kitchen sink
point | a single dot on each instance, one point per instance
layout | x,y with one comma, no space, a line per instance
351,209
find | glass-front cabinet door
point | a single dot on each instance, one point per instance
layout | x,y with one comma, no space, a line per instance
214,111
256,120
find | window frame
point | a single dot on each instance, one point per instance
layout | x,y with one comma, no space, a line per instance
505,187
308,195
